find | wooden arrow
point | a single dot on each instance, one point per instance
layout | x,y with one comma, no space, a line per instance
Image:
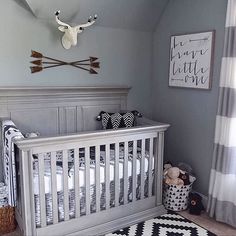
94,64
55,63
35,69
40,55
91,59
40,62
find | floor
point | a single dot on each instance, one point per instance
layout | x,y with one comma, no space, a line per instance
203,220
210,224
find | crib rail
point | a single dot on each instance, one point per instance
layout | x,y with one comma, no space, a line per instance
100,172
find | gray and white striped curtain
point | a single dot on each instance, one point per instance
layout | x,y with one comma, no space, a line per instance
222,189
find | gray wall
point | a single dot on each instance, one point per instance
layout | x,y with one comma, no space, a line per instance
190,112
125,55
126,59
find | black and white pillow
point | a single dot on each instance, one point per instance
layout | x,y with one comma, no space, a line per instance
117,120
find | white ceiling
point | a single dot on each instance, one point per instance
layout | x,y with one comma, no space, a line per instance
140,15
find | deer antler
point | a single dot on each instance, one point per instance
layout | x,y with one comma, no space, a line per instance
60,22
90,22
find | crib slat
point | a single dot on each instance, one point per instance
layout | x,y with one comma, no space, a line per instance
31,184
42,190
117,180
97,158
54,187
20,198
65,184
87,179
125,175
107,174
150,167
134,170
77,187
142,169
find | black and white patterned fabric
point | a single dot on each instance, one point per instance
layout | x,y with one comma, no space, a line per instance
117,120
170,224
3,195
59,155
10,132
82,189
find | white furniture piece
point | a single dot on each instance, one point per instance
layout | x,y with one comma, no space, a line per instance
118,185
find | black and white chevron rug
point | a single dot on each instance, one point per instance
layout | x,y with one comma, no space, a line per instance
170,224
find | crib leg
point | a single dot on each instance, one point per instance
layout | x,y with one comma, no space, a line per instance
159,167
28,210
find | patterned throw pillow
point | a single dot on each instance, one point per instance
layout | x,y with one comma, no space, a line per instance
117,120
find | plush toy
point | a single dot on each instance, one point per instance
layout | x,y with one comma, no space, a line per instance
185,167
32,135
195,204
167,166
185,177
172,176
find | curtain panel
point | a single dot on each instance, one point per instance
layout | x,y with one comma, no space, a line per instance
222,188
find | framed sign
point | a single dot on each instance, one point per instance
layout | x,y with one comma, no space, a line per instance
191,58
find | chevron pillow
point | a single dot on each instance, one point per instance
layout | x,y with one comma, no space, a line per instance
117,120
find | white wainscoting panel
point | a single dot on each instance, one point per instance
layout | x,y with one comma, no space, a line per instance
42,120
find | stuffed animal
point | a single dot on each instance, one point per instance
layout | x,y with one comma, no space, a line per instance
185,178
32,135
185,167
172,176
167,165
195,204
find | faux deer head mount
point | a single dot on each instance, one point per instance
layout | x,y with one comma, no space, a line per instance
70,33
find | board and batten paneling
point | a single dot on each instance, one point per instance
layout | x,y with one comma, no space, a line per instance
59,110
38,119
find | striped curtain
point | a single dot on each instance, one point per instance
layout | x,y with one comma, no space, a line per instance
222,189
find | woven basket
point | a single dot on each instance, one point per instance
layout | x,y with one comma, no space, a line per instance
7,219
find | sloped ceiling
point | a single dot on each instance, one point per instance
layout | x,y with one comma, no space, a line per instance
140,15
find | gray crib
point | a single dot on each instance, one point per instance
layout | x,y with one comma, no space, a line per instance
93,181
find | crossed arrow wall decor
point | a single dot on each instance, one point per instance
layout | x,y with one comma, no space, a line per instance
87,64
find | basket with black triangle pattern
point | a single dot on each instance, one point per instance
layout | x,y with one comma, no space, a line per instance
175,197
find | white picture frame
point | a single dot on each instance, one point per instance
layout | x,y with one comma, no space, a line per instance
191,60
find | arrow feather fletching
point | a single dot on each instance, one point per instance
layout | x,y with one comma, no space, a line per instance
35,69
37,62
36,54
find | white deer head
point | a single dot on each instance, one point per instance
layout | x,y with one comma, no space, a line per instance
70,33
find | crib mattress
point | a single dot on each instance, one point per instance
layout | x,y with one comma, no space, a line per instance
47,179
47,173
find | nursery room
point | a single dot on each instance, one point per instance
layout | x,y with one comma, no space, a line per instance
118,118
